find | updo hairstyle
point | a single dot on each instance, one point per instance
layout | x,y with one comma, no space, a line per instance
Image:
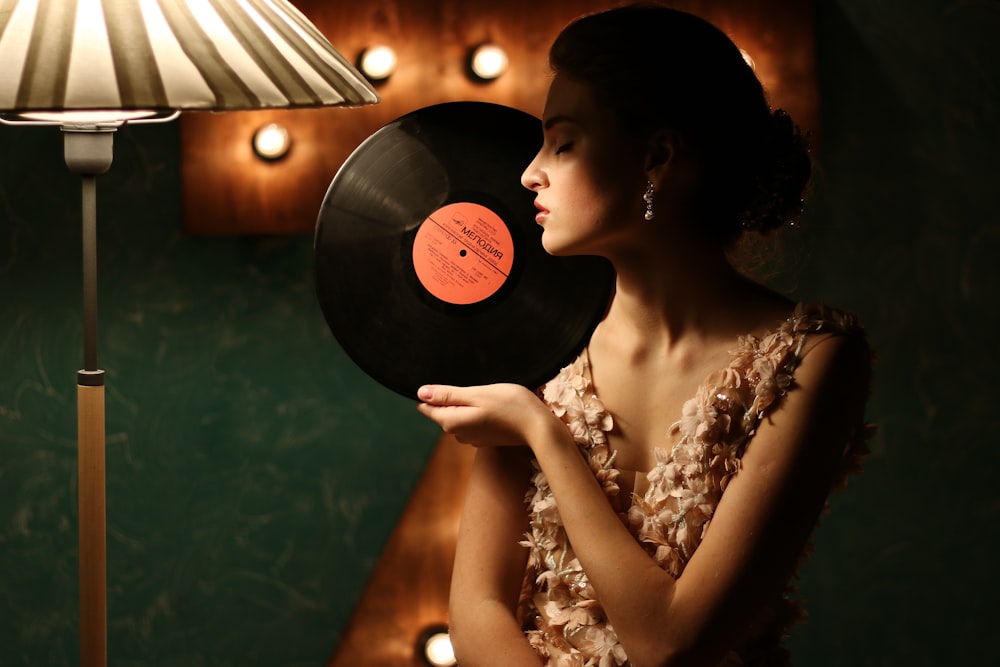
660,67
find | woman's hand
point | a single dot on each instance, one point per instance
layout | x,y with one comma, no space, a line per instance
485,416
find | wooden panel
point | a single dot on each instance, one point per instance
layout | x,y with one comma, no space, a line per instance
408,590
227,190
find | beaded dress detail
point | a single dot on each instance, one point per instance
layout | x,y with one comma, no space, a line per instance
562,618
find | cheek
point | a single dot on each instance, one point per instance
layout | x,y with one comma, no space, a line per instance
610,195
618,176
594,184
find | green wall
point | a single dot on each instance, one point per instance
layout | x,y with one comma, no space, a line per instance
254,473
905,229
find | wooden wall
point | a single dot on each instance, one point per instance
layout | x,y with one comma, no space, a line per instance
408,589
227,190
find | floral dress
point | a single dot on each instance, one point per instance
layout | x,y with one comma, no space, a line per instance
562,618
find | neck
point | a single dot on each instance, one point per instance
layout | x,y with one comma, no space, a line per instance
674,293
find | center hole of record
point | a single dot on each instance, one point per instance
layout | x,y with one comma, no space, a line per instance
484,257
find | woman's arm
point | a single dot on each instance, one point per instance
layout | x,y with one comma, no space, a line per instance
490,564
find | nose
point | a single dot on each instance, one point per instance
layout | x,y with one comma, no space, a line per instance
534,176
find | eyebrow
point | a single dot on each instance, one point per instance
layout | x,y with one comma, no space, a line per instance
555,120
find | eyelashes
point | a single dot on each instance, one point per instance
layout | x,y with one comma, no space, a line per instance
564,147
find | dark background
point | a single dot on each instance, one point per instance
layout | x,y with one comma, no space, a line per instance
254,473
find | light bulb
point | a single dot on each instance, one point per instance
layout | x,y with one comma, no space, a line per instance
271,141
378,63
438,650
488,61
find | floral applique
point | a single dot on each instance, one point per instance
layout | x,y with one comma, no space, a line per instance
564,622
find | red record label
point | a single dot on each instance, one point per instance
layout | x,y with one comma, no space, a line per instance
463,253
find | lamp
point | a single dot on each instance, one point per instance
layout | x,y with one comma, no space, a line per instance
90,66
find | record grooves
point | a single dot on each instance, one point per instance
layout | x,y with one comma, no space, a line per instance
429,265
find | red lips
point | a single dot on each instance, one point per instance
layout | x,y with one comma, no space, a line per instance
542,212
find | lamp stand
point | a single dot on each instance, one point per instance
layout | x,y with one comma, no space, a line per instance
88,152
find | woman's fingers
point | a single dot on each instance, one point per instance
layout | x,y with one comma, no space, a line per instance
440,394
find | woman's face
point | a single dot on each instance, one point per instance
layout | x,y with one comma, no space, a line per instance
588,175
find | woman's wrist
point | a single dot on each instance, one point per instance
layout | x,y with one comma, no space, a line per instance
548,434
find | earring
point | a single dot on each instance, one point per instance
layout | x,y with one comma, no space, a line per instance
648,198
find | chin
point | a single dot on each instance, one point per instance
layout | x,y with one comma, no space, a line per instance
552,248
551,242
562,248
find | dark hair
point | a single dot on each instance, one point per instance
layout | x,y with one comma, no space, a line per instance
660,67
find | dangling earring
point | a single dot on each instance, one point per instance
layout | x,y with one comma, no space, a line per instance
648,198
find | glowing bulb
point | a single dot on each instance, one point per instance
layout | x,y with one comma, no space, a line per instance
271,142
438,650
378,63
488,61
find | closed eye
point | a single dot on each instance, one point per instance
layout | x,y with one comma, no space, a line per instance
564,147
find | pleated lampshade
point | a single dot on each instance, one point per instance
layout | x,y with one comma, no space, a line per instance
168,55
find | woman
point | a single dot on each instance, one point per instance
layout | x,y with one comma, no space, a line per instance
674,472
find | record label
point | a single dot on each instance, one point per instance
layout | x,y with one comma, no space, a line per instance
463,253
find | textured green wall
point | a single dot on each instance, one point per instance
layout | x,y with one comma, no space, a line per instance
905,229
254,473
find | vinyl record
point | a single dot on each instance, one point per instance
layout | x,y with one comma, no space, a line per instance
429,264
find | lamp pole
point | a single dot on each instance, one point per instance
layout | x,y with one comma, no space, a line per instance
89,152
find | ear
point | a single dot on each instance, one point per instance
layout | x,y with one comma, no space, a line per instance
663,150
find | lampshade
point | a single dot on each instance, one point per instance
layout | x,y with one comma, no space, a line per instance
166,55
